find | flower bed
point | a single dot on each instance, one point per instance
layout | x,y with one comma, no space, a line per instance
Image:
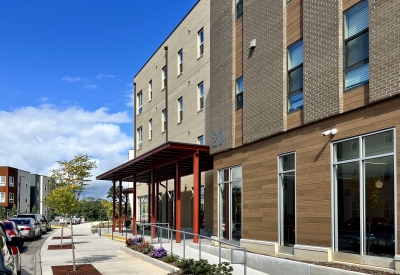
187,266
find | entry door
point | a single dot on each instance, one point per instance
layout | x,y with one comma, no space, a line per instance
230,203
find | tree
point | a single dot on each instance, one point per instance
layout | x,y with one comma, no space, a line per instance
67,183
124,200
2,212
14,210
34,209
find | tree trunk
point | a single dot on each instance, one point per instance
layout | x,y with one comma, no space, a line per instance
62,231
72,242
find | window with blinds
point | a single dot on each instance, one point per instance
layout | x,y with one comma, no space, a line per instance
356,35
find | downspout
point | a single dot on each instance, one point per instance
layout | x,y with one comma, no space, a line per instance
134,119
166,91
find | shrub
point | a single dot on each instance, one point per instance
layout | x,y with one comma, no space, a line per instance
171,258
159,253
190,266
145,248
134,241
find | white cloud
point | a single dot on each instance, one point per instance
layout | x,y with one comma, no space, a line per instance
92,87
72,79
43,99
129,98
34,138
100,76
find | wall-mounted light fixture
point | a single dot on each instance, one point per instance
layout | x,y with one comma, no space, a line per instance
330,132
252,44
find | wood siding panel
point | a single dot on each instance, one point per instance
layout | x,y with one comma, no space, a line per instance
295,119
239,128
349,3
356,98
313,168
294,21
239,47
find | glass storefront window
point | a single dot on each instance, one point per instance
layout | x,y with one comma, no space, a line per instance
230,203
364,196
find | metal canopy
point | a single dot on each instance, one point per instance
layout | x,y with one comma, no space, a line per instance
163,161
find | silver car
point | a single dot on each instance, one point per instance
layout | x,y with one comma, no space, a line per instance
29,229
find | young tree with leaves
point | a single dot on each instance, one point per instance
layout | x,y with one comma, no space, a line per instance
70,179
2,212
13,210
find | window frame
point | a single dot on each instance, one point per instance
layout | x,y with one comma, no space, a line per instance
3,197
180,61
200,89
239,8
200,37
139,142
281,202
200,140
10,197
11,181
164,77
347,69
150,90
291,70
139,102
164,120
360,159
239,94
150,129
3,183
180,109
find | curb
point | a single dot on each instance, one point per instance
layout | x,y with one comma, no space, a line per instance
150,260
116,238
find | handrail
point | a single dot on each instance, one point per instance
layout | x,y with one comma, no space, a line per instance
220,242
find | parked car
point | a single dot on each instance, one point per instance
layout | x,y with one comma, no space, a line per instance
29,228
38,218
57,218
48,223
7,263
15,253
13,231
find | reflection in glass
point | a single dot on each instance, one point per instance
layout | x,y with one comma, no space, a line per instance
236,210
236,173
379,206
377,144
287,162
347,150
288,188
348,214
223,199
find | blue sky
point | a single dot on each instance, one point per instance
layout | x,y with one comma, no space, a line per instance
66,72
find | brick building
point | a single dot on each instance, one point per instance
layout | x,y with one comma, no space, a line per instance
304,120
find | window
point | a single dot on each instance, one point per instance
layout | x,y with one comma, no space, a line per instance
200,87
356,41
164,120
2,197
2,180
200,140
139,138
364,194
26,198
239,93
38,186
139,102
150,90
11,181
164,77
230,203
143,208
239,8
150,129
200,35
180,109
10,197
180,62
295,76
287,199
26,183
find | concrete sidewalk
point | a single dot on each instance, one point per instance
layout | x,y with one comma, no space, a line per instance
104,254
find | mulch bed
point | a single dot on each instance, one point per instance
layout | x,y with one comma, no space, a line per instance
57,246
85,269
59,238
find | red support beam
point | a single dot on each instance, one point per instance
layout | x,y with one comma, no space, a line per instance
196,197
158,202
177,199
113,214
134,227
120,207
153,204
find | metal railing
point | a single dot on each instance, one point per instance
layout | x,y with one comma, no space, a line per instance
170,232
